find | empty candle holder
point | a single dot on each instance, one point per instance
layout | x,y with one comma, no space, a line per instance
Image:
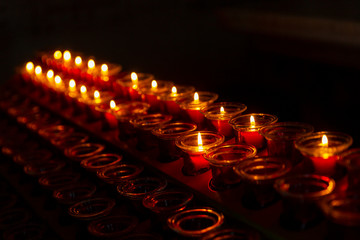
167,135
116,226
193,103
222,161
119,173
74,193
259,175
129,85
301,195
281,137
84,150
56,132
171,97
92,208
151,91
41,168
323,149
220,113
195,222
42,123
247,128
195,144
144,124
58,179
70,140
99,161
351,160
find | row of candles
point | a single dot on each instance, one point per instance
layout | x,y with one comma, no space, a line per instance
123,101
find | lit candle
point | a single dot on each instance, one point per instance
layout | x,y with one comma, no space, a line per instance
58,82
72,85
170,98
50,76
151,93
104,69
38,71
173,91
57,55
78,62
30,68
67,57
83,91
91,66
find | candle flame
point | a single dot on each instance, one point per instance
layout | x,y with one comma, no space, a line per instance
72,84
222,110
96,94
104,68
174,90
196,97
91,64
29,66
134,76
83,89
200,143
112,104
252,121
78,61
324,141
50,74
153,84
57,79
38,70
57,54
67,56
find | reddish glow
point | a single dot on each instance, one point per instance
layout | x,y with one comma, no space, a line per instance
91,64
78,61
67,56
153,84
38,70
112,104
29,67
57,55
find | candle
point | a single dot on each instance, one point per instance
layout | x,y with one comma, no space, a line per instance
129,85
219,115
72,85
323,149
150,93
78,62
67,59
30,68
193,104
195,144
170,97
247,128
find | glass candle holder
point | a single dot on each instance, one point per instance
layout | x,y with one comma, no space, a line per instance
323,149
108,120
220,113
150,94
144,124
74,193
259,175
247,128
195,222
167,135
113,226
56,132
301,195
99,161
351,160
119,173
41,168
92,208
59,179
90,103
192,105
70,140
195,144
282,136
171,97
222,160
84,150
128,88
35,126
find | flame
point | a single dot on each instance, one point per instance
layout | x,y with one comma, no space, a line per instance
83,89
29,66
78,61
57,79
104,68
38,70
72,84
222,110
134,77
324,141
96,94
57,54
200,142
67,56
153,84
174,90
252,121
196,97
50,74
112,104
91,64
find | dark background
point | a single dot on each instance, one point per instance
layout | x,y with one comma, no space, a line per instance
299,61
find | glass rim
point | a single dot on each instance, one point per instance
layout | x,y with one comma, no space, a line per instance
182,91
188,101
142,78
162,87
126,188
101,173
211,154
348,157
219,139
267,131
143,121
160,131
59,194
236,108
245,125
73,152
88,163
108,204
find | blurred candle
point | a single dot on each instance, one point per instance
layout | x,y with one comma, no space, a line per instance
78,61
30,67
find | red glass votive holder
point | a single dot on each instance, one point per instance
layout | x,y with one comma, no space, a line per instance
167,135
113,227
192,106
104,79
144,124
259,175
222,161
195,222
128,89
195,144
150,94
281,137
108,119
116,174
90,104
350,159
248,131
59,179
84,150
220,113
74,193
324,152
170,99
92,208
96,162
301,195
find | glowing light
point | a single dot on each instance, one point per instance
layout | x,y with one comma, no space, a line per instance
112,104
38,70
72,85
324,141
96,94
252,121
67,56
57,55
153,84
104,68
200,142
29,67
174,90
57,79
83,89
196,97
222,110
134,79
50,74
91,64
78,61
